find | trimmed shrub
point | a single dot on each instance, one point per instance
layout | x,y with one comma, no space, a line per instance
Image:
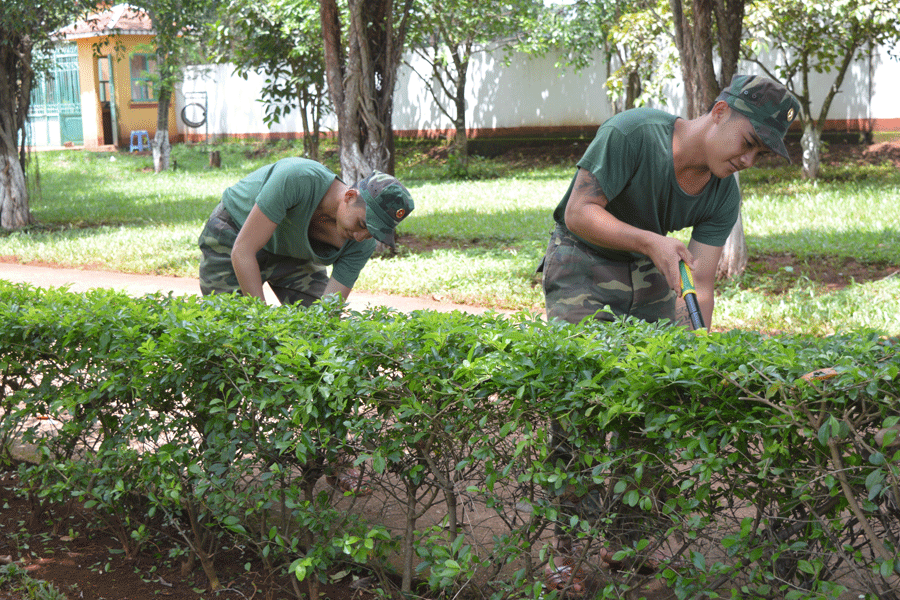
481,436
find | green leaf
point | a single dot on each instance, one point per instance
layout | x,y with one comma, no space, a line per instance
631,498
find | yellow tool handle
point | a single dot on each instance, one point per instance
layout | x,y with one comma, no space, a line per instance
687,280
689,293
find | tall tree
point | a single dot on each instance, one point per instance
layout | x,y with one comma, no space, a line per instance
447,35
642,52
701,28
576,32
363,46
26,29
825,36
280,39
178,25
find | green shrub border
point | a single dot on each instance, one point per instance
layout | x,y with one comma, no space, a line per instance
213,420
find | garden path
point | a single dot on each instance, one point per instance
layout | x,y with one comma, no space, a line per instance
81,280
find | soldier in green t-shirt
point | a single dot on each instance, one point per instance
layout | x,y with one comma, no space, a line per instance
285,222
647,174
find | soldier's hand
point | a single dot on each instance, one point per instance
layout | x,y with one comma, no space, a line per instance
666,253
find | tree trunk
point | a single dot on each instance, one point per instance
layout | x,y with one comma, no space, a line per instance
693,38
632,89
315,142
361,82
729,24
810,143
14,211
334,51
461,143
734,254
346,84
304,120
708,85
309,102
460,146
409,536
161,149
16,76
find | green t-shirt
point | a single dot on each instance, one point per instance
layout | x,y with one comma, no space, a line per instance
631,157
288,192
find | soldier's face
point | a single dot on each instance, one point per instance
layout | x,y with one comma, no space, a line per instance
352,219
736,145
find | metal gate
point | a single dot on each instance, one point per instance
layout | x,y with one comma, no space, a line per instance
55,115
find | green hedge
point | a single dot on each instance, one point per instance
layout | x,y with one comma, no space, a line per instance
215,419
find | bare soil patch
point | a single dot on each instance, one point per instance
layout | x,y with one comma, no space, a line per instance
81,558
843,153
832,274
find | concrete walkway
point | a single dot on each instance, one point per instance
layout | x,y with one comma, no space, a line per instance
81,280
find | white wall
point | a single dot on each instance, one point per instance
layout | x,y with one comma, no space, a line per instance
44,131
530,93
885,87
233,106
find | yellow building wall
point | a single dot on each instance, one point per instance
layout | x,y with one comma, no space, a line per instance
130,115
90,105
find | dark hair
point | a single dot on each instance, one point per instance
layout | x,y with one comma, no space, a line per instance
733,114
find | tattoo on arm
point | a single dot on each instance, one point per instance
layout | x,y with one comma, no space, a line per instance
587,185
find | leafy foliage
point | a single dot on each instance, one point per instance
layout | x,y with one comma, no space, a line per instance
280,39
218,416
16,579
446,36
817,37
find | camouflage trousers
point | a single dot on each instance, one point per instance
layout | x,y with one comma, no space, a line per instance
293,280
578,283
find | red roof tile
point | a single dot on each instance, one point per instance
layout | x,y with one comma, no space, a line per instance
121,19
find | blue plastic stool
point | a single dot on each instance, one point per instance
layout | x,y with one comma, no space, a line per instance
137,140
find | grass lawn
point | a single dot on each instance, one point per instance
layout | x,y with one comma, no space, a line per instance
479,241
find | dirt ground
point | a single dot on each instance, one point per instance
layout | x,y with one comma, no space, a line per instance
80,557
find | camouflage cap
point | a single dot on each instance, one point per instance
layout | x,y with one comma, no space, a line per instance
387,203
769,106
